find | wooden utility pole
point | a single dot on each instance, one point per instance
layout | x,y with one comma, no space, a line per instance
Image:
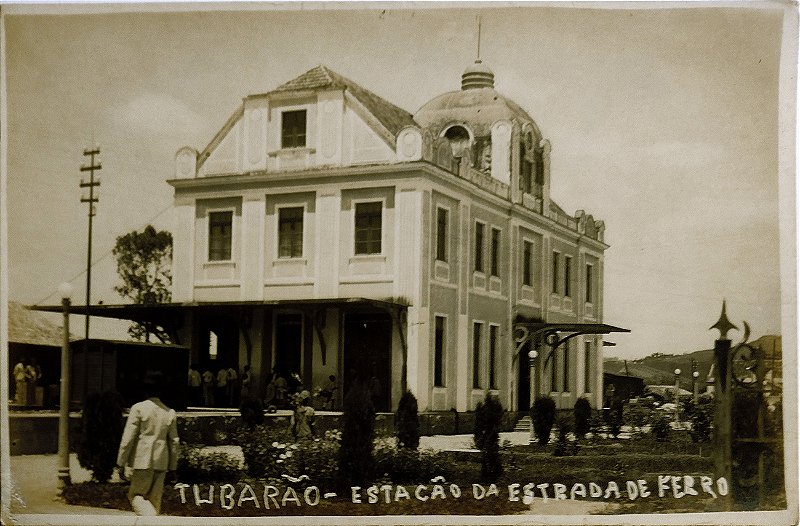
91,200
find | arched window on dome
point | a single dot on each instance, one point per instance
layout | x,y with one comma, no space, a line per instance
459,138
525,168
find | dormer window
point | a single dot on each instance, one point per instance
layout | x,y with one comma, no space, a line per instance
459,140
293,129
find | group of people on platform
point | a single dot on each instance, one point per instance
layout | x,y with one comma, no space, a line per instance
27,374
223,387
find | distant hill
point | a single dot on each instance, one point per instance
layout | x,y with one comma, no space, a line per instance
658,369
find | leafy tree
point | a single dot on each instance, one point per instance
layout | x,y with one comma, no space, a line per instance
144,263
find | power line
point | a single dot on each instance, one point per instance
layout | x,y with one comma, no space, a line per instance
106,253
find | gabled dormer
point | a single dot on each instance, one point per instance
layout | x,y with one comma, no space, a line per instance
317,119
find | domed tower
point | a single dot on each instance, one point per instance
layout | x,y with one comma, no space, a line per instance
499,138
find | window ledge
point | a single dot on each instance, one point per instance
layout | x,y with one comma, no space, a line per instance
222,264
277,262
375,258
292,151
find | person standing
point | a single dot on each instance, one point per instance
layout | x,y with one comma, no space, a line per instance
302,423
245,391
208,388
233,386
222,386
21,379
149,446
195,385
32,374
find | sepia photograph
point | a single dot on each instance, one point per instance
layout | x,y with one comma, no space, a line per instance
398,263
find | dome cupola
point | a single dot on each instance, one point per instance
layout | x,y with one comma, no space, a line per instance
477,76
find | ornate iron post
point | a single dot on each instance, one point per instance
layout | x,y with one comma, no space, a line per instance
723,463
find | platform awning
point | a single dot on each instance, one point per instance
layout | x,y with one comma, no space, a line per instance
162,312
555,334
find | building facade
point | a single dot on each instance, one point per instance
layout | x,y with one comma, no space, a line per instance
324,230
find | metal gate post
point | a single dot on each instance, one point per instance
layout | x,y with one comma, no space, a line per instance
722,392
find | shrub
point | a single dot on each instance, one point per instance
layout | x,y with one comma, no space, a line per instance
409,466
563,446
637,414
543,414
488,418
408,421
102,427
196,465
700,416
252,411
583,412
356,462
660,425
270,454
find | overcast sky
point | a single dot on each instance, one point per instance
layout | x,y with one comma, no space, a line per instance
663,123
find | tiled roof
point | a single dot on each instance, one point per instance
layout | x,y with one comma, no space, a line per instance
392,117
27,326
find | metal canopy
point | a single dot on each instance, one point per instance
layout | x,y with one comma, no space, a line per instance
160,311
555,334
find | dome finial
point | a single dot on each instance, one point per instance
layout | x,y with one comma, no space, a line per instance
477,75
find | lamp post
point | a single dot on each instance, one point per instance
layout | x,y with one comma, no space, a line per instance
532,354
677,387
65,290
696,386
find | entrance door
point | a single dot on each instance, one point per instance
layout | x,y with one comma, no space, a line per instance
368,355
288,345
524,384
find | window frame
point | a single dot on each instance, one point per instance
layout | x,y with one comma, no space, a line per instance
565,368
567,276
587,361
527,262
360,202
494,336
439,354
442,235
555,268
494,253
209,213
478,264
477,345
295,135
589,283
278,210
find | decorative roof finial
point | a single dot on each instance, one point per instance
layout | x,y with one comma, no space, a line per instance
478,57
723,325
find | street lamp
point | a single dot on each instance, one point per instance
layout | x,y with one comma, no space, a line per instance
696,386
532,354
65,290
677,387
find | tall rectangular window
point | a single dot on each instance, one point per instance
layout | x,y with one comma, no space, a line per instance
495,252
479,247
587,367
441,234
539,162
439,350
589,284
525,171
368,228
567,276
553,369
527,263
290,232
493,330
565,370
220,235
293,129
556,261
477,329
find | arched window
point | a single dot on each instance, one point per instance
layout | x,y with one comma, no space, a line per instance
459,138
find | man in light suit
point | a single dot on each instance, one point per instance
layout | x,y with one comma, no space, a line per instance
150,447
